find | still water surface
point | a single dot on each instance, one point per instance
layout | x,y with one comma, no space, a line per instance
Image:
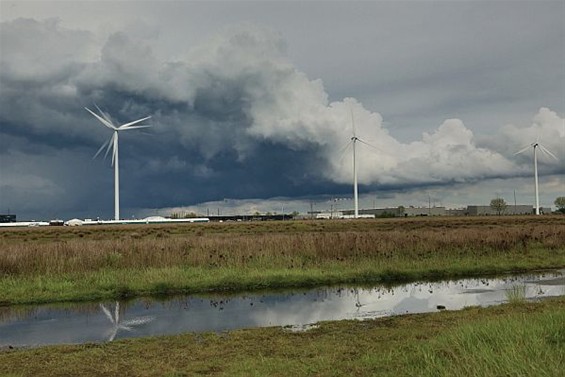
296,310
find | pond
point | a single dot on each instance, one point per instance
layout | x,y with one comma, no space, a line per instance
296,310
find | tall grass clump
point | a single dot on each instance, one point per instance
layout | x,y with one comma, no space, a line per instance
516,294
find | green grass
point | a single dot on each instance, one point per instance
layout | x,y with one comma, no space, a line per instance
519,346
47,265
521,339
128,282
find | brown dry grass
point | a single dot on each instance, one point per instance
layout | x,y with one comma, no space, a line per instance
292,244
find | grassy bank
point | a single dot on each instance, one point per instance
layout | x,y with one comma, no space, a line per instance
521,339
58,264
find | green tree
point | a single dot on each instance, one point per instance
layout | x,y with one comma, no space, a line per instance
498,205
560,204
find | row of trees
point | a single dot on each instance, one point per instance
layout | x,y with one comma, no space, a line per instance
499,205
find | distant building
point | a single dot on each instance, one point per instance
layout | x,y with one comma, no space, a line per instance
510,210
360,216
425,211
376,212
456,212
544,210
400,211
7,218
472,210
76,222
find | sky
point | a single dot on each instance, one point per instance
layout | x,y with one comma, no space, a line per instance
254,103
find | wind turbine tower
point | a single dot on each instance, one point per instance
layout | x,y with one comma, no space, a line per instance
535,146
354,140
113,143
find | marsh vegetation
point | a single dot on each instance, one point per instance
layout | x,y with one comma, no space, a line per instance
521,338
58,264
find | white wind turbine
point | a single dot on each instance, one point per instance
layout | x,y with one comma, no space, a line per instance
113,142
353,142
535,146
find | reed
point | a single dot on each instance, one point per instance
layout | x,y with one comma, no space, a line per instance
280,250
516,294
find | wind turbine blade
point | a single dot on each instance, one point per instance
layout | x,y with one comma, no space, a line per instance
117,311
545,150
104,121
110,143
107,312
105,115
132,128
344,149
101,148
138,321
369,145
352,122
127,125
523,150
114,333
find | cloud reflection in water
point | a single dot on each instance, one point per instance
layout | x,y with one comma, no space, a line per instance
80,323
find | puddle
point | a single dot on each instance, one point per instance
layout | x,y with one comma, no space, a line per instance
297,310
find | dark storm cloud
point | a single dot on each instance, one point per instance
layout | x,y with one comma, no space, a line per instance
233,118
197,149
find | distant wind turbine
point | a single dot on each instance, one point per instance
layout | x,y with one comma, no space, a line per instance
535,146
354,140
113,141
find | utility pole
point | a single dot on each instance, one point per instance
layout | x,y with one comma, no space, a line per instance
311,209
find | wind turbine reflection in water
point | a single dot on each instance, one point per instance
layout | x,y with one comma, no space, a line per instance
117,325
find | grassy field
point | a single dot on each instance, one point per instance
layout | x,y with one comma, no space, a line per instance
61,263
519,339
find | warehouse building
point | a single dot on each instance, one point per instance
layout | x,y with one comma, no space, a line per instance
7,218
